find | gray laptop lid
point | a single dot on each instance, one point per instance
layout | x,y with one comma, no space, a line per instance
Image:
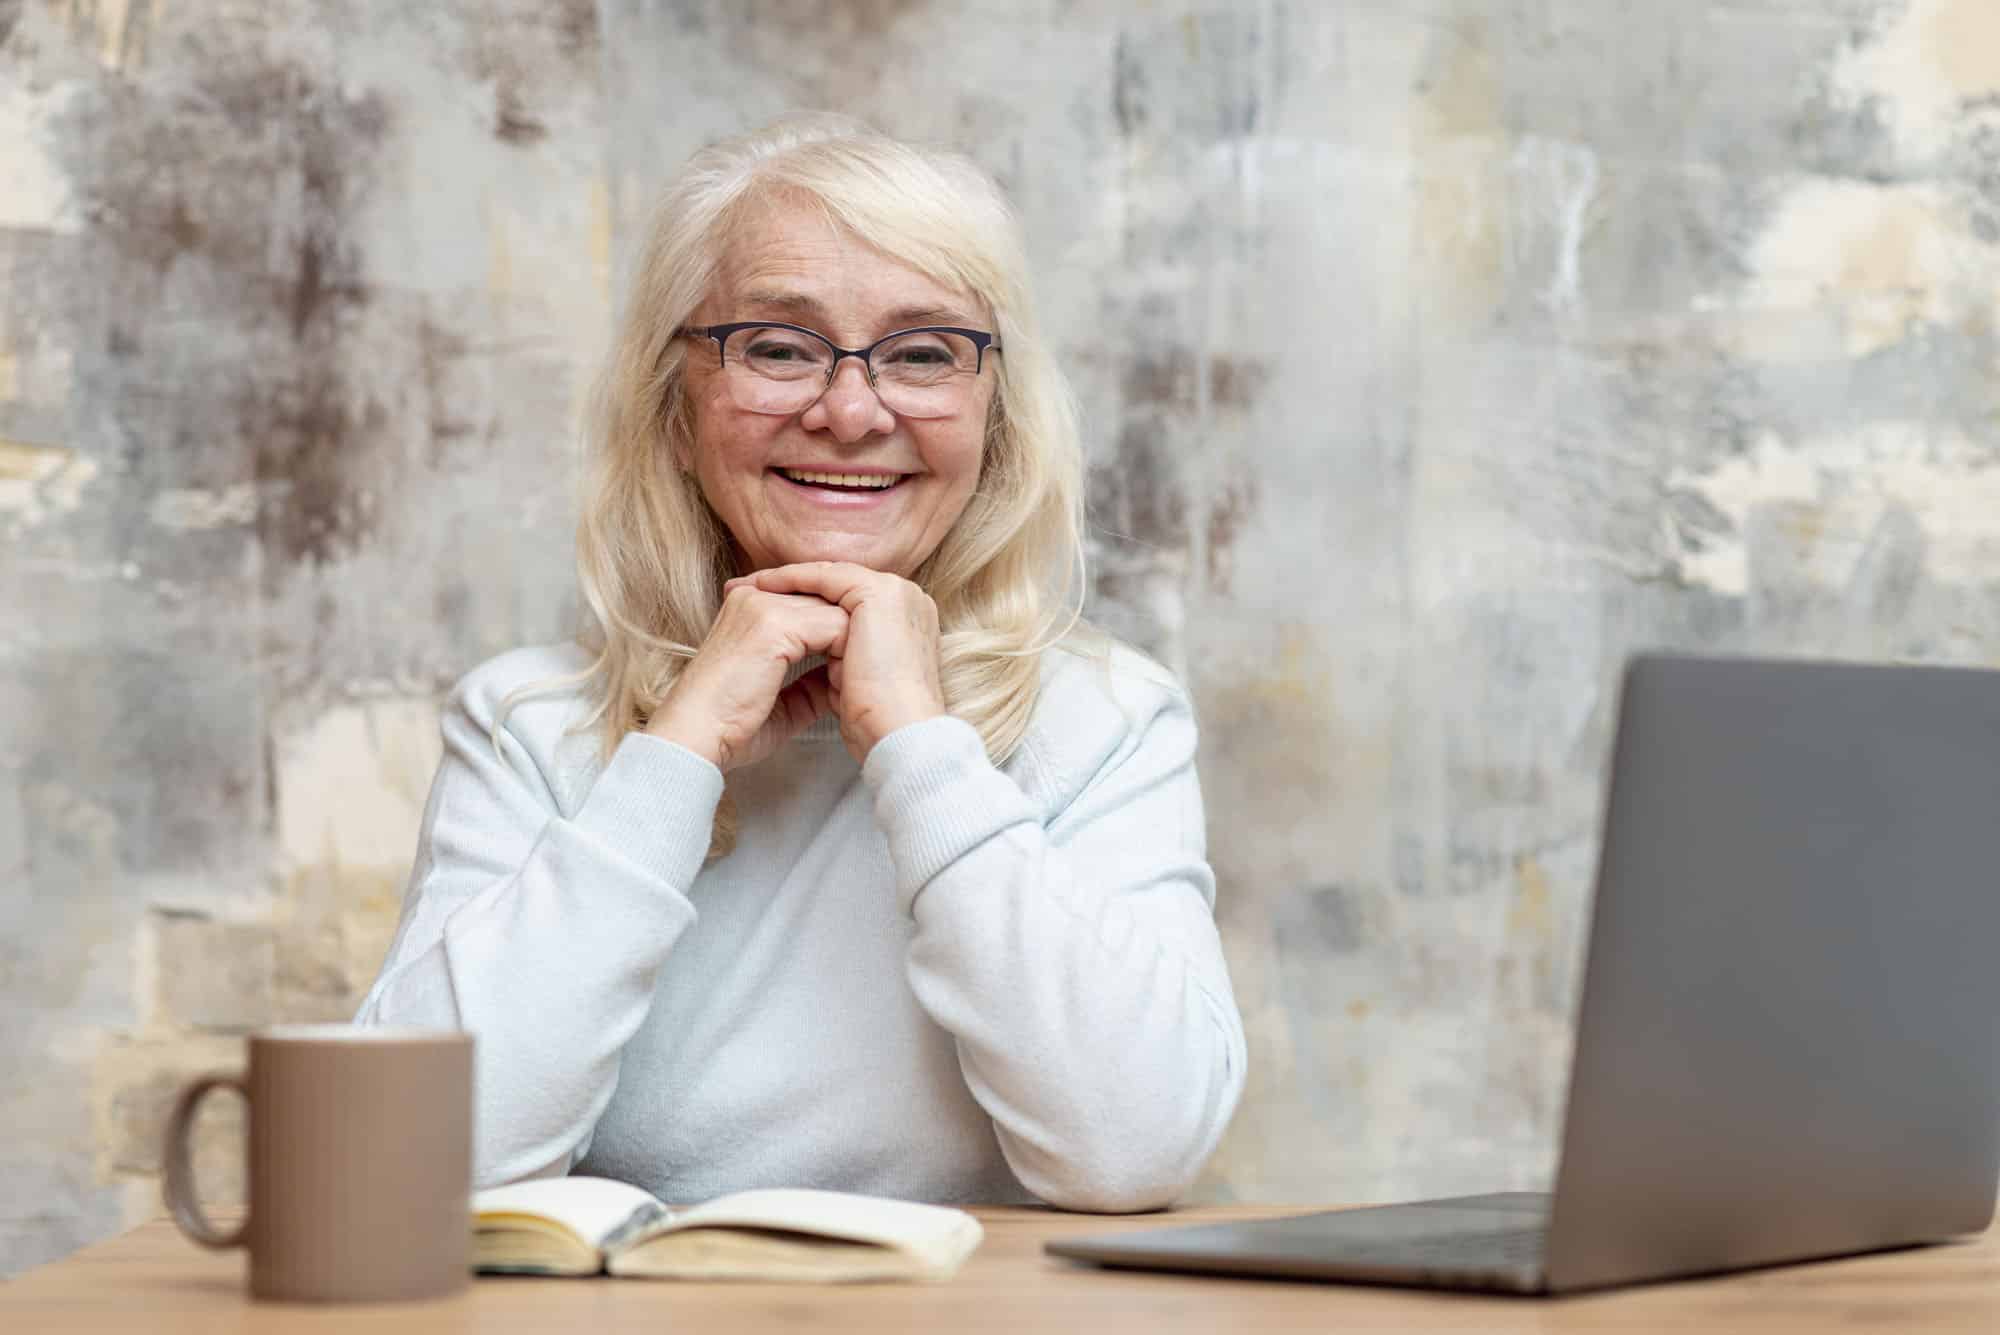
1786,1040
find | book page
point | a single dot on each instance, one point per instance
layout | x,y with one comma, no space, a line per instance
739,1253
593,1208
932,1232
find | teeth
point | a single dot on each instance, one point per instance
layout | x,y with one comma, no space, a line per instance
877,480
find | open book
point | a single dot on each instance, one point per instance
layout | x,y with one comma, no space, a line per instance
588,1225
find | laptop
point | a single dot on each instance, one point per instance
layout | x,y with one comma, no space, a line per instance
1788,1036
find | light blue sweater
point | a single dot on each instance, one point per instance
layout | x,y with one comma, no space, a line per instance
923,977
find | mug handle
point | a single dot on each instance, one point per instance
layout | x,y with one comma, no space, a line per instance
179,1184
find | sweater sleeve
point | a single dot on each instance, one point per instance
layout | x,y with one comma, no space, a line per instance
542,935
1076,963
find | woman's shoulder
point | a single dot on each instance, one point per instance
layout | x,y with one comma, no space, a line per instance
535,697
1102,699
530,686
525,665
1098,667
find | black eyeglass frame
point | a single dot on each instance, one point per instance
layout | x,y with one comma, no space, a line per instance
981,341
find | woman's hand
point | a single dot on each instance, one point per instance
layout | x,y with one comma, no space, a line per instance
883,668
727,705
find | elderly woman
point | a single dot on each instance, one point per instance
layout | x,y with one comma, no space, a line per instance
843,854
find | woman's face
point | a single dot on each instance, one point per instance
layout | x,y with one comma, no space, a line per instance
792,265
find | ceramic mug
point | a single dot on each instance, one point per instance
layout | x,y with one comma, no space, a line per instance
360,1162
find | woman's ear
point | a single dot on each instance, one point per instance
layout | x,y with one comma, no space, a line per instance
680,434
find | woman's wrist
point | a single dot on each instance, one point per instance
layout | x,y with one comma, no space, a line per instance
669,729
882,726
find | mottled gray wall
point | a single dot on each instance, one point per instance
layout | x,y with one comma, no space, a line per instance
1435,353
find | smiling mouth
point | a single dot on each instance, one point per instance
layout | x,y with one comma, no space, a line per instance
856,483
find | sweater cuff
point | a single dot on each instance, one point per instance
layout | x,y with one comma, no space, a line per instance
937,797
655,804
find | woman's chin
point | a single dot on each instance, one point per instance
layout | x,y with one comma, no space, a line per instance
870,554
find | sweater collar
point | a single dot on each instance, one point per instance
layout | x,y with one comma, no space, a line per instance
826,728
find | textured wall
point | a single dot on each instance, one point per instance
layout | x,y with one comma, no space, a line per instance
1435,353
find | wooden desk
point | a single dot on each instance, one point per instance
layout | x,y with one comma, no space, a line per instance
153,1280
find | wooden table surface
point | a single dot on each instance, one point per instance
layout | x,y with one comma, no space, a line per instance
154,1280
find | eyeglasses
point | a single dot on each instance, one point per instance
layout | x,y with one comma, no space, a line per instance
784,368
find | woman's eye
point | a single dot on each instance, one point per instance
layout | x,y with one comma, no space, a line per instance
920,356
775,352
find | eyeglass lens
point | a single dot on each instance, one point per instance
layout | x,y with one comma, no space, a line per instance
925,374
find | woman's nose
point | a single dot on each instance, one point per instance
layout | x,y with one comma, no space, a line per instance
850,408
